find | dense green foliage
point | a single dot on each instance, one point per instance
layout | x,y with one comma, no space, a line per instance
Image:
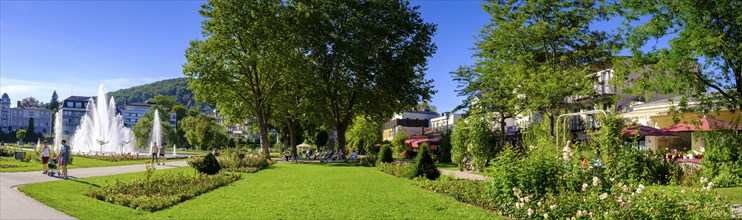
459,142
703,53
385,154
20,134
722,160
395,169
160,192
400,147
370,57
177,87
203,132
243,162
364,134
424,165
444,148
208,164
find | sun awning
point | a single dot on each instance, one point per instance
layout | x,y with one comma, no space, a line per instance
704,124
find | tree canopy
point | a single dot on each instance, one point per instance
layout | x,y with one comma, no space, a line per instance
30,102
704,53
367,58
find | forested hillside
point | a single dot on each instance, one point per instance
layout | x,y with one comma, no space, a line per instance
177,87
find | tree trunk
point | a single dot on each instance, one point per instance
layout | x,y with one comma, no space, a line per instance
265,141
292,137
340,128
503,133
551,125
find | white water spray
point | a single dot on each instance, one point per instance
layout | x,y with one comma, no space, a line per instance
58,131
156,136
101,130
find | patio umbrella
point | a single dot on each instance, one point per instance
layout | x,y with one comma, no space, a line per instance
643,131
431,142
705,124
303,146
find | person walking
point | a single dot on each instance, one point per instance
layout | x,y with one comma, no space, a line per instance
155,150
64,158
162,154
45,157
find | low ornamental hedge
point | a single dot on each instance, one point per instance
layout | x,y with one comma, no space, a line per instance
112,158
398,170
248,163
160,192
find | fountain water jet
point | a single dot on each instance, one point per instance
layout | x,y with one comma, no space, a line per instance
156,135
101,130
58,131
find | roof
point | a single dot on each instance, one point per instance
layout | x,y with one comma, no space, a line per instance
5,96
79,98
31,108
139,104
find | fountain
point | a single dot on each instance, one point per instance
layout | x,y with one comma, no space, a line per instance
174,155
156,135
101,130
58,132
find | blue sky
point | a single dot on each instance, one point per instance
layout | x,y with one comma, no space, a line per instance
73,46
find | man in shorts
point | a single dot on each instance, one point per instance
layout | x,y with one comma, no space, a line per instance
64,158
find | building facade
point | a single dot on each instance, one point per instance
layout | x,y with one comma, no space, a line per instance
13,119
73,108
444,122
412,122
131,113
5,113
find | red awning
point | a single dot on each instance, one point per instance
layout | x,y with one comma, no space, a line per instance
432,142
642,130
705,124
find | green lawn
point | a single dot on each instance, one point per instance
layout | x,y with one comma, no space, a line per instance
447,166
77,162
296,191
732,194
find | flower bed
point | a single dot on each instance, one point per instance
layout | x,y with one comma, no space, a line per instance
590,202
157,193
111,158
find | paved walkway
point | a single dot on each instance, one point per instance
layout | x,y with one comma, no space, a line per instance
16,205
463,175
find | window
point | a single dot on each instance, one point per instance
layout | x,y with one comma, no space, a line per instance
69,104
78,105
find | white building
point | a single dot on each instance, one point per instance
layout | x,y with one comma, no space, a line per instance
413,122
444,122
13,119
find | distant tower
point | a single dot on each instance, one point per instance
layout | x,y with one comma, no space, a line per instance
4,112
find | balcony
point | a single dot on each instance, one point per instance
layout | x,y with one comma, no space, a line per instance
407,123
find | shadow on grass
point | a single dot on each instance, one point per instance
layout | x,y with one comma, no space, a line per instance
83,182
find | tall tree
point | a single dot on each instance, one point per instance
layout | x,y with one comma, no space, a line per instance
240,63
204,132
367,57
54,102
29,102
704,53
365,134
547,46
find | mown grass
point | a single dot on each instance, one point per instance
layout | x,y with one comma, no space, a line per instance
732,194
283,191
77,162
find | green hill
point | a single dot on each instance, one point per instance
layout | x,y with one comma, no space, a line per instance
177,87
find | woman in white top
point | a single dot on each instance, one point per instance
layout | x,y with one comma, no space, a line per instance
45,157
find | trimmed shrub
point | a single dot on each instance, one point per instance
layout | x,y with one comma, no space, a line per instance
398,170
249,163
208,164
385,154
370,160
424,165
